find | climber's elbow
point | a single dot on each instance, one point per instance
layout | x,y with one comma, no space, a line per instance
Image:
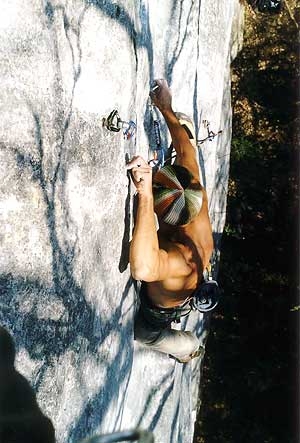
143,273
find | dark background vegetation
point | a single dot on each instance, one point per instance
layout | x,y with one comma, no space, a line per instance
250,386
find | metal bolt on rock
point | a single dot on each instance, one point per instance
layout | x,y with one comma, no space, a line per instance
114,123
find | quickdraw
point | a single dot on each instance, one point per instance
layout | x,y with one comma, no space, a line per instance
210,134
158,153
114,123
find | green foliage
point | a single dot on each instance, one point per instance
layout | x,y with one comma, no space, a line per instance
243,150
250,369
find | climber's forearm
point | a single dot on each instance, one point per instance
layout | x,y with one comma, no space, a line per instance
185,151
144,248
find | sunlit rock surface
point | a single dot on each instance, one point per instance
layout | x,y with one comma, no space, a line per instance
66,201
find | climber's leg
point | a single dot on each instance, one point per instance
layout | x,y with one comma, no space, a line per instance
181,345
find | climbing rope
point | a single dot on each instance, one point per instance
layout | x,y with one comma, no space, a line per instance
157,151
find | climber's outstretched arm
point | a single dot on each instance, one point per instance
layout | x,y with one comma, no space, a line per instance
185,151
147,261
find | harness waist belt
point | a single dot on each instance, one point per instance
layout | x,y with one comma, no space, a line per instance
161,317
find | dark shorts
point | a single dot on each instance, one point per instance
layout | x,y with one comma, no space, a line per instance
153,329
157,317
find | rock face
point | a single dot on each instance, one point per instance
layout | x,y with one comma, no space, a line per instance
67,297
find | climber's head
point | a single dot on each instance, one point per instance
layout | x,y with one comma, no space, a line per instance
177,195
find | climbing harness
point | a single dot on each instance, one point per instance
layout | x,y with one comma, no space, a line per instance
114,123
210,134
206,297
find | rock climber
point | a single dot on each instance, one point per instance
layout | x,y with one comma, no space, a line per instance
172,261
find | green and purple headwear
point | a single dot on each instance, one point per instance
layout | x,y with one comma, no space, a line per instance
177,201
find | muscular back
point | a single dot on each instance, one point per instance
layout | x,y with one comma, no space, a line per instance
189,249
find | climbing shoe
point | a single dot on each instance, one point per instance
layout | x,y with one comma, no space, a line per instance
198,353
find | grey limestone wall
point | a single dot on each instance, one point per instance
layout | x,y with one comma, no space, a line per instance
67,297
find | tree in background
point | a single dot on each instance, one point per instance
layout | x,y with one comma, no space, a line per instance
250,376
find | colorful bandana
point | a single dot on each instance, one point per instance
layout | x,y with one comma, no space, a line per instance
176,200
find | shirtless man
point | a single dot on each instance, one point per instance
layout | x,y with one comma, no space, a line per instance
170,262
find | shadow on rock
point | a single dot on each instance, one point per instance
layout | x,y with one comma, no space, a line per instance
124,258
21,420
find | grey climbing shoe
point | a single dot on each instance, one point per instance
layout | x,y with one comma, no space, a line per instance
198,353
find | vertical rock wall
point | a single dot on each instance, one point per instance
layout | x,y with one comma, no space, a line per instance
66,202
